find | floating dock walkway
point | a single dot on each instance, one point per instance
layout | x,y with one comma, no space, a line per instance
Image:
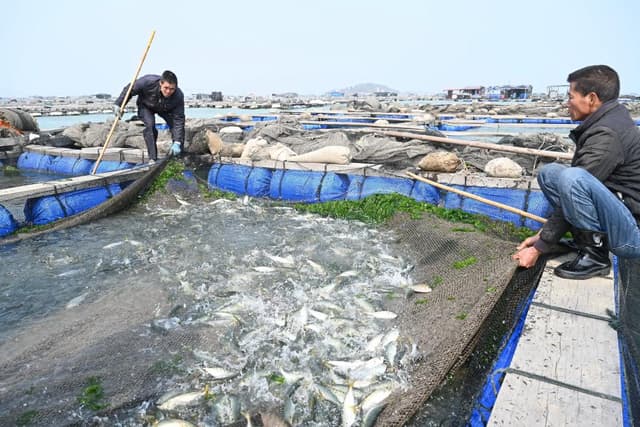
566,367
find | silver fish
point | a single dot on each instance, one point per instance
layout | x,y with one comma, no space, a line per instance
317,267
220,374
172,422
422,288
182,400
327,394
76,301
113,245
349,413
287,261
386,315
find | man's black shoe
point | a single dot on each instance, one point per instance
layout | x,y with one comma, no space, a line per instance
590,262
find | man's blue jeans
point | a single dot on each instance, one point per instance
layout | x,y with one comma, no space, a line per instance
590,206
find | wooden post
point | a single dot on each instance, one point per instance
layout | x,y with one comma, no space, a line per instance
478,198
479,144
124,102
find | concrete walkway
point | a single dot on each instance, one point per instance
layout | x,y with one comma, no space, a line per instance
566,367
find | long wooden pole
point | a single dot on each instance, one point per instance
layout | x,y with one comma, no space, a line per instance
124,103
478,198
479,144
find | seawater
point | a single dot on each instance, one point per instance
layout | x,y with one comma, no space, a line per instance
227,257
58,122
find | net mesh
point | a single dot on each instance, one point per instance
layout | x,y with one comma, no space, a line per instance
469,271
629,328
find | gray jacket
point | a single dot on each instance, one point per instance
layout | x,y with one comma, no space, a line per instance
608,147
147,88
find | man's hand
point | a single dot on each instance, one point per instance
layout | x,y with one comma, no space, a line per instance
527,255
175,148
529,241
116,112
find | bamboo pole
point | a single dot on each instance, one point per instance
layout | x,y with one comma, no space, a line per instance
478,198
124,102
479,144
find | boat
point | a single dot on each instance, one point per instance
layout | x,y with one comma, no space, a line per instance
102,198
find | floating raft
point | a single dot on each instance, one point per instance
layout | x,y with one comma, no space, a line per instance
52,200
319,182
561,365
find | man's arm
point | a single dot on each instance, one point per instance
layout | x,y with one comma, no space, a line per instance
138,87
177,131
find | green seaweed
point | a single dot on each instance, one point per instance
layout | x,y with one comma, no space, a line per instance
379,208
27,418
92,395
459,265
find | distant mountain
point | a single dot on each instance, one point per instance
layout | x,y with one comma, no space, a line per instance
366,88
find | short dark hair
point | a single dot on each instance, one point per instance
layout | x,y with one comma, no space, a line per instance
601,79
169,77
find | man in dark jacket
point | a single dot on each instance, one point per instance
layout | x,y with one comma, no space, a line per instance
157,95
598,197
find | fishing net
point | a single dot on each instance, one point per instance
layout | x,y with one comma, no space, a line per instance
629,329
46,368
473,279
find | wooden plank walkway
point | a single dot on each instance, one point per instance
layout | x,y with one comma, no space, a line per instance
566,367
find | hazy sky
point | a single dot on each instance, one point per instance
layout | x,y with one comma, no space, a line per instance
69,47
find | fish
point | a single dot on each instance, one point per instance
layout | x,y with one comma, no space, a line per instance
364,305
318,315
326,394
172,422
369,417
317,267
422,288
287,261
375,398
76,301
349,412
390,351
386,315
220,374
71,272
390,336
113,245
182,202
248,418
359,369
291,377
374,343
182,400
348,273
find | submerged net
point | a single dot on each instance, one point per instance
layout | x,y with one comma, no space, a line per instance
46,366
629,329
469,271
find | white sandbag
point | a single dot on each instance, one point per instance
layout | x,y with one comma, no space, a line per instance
280,152
503,167
253,148
333,154
440,161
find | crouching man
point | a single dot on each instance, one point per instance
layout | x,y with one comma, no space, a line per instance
597,198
